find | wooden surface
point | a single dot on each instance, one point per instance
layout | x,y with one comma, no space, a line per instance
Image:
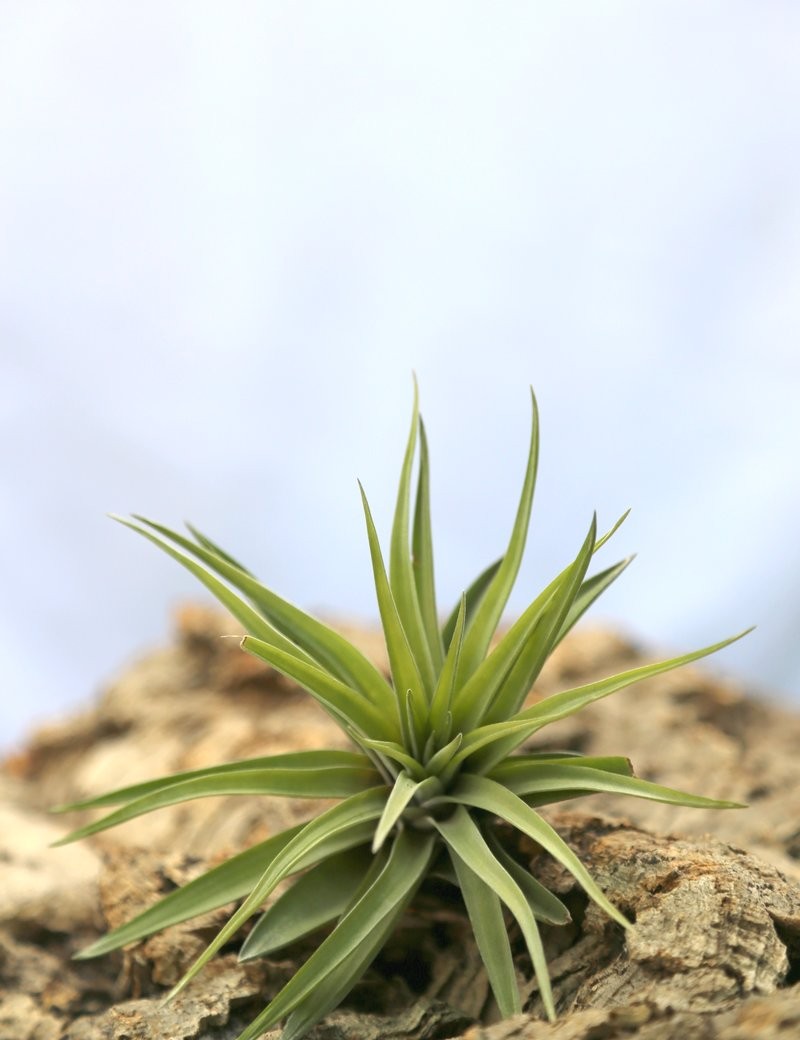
714,954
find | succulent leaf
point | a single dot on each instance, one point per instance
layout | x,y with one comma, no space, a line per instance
438,762
487,615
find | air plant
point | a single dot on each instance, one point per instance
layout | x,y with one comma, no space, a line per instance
438,758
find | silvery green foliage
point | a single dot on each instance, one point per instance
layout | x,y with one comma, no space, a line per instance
436,759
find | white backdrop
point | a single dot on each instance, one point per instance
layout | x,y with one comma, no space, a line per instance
230,232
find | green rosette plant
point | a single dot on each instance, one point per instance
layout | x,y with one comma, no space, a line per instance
436,762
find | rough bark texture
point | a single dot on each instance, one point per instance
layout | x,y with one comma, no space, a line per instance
715,951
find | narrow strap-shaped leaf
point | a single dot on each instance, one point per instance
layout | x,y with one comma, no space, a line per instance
481,689
525,670
490,609
397,753
445,755
443,693
545,905
561,705
466,842
478,692
405,673
288,783
612,531
316,898
338,699
401,568
492,692
345,826
231,880
249,618
303,761
473,596
591,590
484,738
492,797
491,935
403,791
329,650
408,861
206,543
422,544
335,984
519,765
539,778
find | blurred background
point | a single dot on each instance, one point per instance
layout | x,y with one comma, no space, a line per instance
229,233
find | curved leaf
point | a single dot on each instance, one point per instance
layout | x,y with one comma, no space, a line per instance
490,608
405,673
561,705
325,646
346,825
407,865
541,778
544,904
302,761
316,898
491,935
402,578
485,794
342,702
422,545
231,880
289,783
466,843
473,596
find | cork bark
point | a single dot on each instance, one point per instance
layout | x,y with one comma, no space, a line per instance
715,951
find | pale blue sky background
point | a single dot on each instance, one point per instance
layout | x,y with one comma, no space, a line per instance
228,232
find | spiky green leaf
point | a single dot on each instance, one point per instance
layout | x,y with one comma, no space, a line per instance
492,797
290,783
345,826
341,701
406,867
490,609
491,935
223,884
326,647
402,575
317,897
473,597
301,762
408,682
465,842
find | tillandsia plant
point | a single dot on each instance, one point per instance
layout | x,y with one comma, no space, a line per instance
436,762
